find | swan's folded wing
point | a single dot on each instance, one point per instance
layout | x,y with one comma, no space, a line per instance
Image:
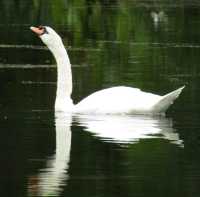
117,100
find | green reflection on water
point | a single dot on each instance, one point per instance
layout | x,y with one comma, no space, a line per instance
109,43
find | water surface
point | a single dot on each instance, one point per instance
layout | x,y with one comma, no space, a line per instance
109,43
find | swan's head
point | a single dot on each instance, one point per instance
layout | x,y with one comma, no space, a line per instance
48,36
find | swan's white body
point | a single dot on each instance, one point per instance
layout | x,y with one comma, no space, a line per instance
125,100
115,100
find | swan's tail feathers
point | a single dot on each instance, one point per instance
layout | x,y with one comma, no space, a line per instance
167,100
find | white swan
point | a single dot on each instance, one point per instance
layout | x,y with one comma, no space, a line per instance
115,100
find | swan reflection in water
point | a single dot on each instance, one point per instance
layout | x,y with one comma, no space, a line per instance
129,129
49,180
108,128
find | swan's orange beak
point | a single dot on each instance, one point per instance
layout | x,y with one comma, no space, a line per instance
38,30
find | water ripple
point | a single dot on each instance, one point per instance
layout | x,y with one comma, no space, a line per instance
35,47
36,66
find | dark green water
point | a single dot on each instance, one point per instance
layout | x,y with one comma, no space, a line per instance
109,43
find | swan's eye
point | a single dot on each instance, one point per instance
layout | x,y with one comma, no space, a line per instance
43,29
40,27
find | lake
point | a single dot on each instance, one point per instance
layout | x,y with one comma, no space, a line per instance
151,45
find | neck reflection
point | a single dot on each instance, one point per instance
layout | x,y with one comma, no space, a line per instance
50,179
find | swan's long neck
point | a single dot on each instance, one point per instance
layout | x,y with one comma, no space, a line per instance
64,79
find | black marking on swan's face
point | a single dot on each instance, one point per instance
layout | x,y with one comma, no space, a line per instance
43,29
